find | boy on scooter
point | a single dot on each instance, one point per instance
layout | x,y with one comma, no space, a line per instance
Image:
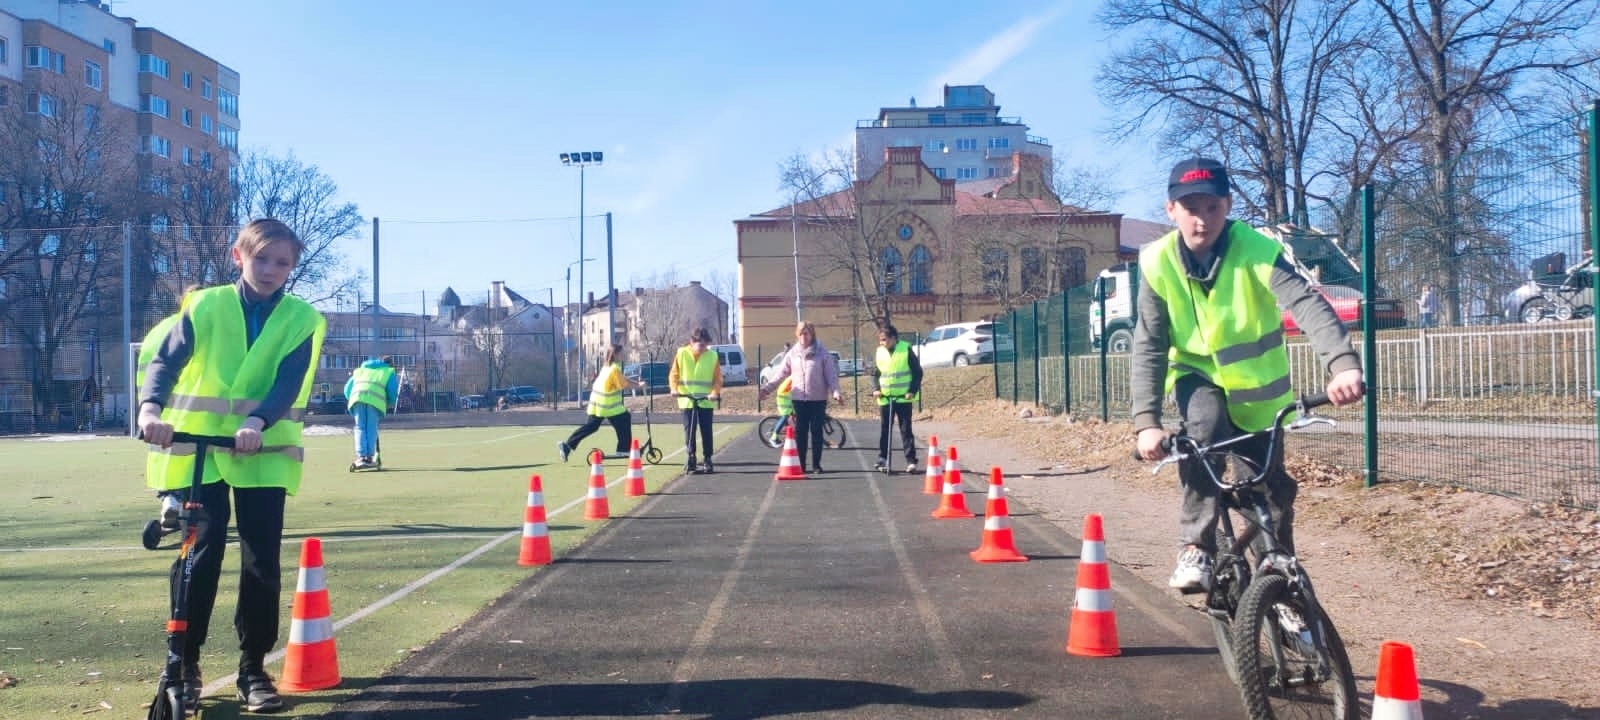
696,380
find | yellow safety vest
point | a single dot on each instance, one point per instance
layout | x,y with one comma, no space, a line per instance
695,376
601,402
371,386
153,341
1233,335
786,396
894,377
225,380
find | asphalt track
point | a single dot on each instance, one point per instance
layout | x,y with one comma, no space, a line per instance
733,596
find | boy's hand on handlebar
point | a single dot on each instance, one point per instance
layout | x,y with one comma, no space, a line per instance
1150,445
1346,387
247,439
153,429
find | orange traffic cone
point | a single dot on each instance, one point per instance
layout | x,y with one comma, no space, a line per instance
998,545
789,463
535,533
596,507
952,504
1396,695
633,482
1094,626
311,659
933,479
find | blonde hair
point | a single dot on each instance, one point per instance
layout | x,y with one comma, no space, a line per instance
803,327
262,232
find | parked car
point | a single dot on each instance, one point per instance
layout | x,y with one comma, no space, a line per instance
1346,301
963,344
524,394
474,402
653,373
853,366
733,369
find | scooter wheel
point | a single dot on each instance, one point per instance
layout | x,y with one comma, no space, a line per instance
166,705
151,537
653,455
352,468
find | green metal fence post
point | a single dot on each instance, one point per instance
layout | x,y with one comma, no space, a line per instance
1014,354
1369,340
1066,359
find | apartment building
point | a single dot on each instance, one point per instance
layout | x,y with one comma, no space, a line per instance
965,138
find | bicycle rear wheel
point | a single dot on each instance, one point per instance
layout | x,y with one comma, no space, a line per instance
1283,673
833,433
765,428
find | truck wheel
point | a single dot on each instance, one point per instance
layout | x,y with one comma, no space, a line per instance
1121,342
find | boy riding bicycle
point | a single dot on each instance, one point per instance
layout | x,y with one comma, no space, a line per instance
785,410
1209,332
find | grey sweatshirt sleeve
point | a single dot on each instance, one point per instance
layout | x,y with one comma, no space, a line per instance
1315,317
162,373
1148,363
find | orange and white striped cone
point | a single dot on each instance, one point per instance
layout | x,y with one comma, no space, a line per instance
952,504
596,507
789,462
311,659
933,479
1094,625
998,544
535,531
633,482
1397,695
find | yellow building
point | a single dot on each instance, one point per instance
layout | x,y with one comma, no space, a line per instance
916,249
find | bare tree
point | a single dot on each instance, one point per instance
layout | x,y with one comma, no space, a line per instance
307,200
661,318
725,285
1241,80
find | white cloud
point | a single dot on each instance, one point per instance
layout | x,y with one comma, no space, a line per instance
995,52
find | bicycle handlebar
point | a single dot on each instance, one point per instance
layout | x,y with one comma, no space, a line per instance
1180,446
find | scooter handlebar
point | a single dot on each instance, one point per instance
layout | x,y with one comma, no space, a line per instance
222,441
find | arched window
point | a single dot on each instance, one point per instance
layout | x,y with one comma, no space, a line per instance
1033,276
996,267
892,270
1071,269
921,271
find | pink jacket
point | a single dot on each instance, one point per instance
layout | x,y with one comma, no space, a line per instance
815,372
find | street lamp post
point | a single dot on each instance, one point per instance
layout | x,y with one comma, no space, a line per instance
581,160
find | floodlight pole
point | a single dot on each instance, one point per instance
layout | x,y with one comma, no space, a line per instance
582,160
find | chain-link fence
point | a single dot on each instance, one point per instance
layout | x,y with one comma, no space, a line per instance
1470,296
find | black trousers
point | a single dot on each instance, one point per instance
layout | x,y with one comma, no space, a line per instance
258,515
808,418
901,412
623,424
701,417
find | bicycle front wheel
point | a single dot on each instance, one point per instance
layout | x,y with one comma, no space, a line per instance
1283,672
764,430
833,433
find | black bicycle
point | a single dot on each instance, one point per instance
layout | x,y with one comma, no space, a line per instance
833,434
1277,643
171,700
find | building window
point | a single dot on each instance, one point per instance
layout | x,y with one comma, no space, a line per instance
41,104
999,143
936,118
228,137
5,56
967,173
39,56
966,144
157,145
154,65
109,45
91,117
153,104
892,270
938,172
50,244
188,81
227,103
188,156
974,119
996,267
205,88
188,117
5,95
205,123
994,172
921,270
205,161
91,74
933,147
1071,267
1033,276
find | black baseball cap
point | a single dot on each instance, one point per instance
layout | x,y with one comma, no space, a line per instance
1199,175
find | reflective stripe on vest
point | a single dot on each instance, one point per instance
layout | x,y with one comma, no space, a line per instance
370,386
1233,335
602,403
223,383
895,378
695,376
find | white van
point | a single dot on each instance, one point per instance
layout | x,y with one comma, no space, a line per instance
733,368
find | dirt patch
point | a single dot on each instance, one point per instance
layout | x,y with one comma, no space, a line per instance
1500,598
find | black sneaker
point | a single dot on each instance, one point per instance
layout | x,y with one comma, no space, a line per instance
257,693
691,467
881,466
192,686
709,468
565,450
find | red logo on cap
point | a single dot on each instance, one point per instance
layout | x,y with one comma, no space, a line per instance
1196,176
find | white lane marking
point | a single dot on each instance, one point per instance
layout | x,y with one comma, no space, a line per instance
926,609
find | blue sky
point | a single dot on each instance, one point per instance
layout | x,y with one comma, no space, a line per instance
446,119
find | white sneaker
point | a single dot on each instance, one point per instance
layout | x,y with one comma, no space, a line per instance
1193,573
170,508
911,467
